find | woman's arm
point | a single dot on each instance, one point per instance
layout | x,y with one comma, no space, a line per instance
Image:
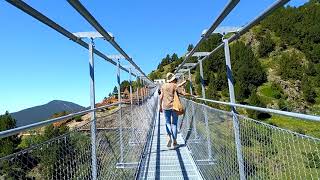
180,88
182,83
161,98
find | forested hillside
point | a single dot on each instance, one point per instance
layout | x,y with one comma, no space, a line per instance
276,64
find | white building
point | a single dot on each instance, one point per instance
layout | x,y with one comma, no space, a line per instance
159,81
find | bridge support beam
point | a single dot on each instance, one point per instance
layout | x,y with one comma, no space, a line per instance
205,113
142,85
93,113
131,101
194,123
141,90
190,80
144,89
132,138
138,91
236,126
202,80
120,112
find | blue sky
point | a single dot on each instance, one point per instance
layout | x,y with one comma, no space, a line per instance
39,65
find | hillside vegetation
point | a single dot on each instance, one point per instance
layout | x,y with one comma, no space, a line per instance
276,64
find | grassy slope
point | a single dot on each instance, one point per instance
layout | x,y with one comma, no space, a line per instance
268,96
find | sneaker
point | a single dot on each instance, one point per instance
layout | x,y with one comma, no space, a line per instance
175,145
169,141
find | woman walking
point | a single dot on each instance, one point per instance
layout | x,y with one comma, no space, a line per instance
168,90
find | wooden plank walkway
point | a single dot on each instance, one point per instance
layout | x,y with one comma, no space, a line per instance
168,163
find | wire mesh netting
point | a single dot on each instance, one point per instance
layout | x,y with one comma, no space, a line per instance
275,153
119,143
268,152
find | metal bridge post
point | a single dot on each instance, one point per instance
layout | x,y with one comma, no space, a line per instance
194,123
234,112
120,112
190,80
205,113
138,100
140,91
93,113
131,108
131,100
202,80
208,133
143,90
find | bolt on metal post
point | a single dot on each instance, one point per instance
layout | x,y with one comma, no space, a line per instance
120,111
93,113
234,112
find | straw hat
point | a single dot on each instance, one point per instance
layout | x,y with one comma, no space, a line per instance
171,77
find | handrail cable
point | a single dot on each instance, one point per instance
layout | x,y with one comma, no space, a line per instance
88,16
243,30
266,110
47,21
228,8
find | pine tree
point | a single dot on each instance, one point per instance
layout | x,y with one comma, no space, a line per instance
190,47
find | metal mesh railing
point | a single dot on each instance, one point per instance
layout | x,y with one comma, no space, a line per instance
68,156
268,152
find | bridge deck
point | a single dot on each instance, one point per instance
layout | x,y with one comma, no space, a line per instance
167,163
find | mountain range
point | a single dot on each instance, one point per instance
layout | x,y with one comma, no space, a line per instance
43,112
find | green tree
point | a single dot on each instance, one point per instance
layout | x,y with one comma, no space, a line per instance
115,90
154,75
290,67
124,85
266,46
254,100
309,93
315,53
174,58
190,47
9,144
248,72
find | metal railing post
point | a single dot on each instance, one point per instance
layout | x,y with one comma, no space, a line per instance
205,113
146,90
234,112
142,93
138,100
131,104
190,82
202,80
208,133
194,123
93,113
120,112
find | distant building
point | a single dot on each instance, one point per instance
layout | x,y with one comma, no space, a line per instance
159,81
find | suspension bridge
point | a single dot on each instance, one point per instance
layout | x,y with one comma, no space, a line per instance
213,143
